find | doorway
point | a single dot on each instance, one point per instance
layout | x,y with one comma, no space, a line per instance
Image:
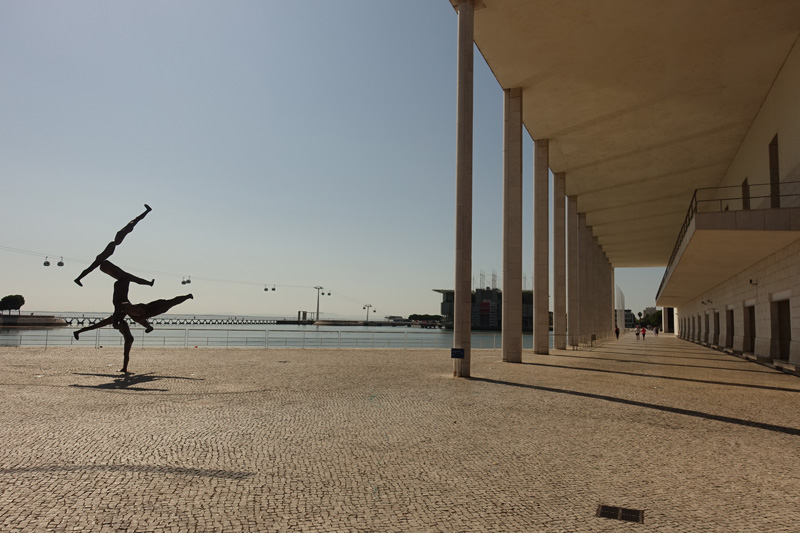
749,329
781,320
729,328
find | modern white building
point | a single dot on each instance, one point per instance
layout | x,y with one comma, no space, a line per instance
683,113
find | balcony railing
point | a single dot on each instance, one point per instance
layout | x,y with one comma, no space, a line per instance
733,198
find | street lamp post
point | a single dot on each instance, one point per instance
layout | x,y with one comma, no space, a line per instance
318,289
367,308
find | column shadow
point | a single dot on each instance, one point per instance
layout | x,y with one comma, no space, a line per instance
640,362
634,403
673,378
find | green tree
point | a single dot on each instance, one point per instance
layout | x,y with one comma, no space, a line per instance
653,319
12,302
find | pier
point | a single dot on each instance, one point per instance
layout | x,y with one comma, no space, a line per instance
249,321
194,321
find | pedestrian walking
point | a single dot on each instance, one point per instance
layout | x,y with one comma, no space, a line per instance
644,332
636,329
616,332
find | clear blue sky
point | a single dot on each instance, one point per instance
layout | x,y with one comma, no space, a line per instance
279,143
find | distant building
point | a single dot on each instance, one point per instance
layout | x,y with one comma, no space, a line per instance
487,308
630,319
649,311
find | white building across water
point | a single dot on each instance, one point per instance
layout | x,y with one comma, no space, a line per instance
683,113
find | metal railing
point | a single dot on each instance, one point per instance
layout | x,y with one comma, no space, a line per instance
268,339
733,198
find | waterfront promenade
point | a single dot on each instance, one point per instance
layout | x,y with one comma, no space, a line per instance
388,440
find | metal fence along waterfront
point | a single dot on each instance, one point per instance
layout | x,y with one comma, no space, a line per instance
370,338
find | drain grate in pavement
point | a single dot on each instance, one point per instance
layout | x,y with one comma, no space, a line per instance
620,513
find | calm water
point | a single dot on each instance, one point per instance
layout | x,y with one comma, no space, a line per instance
269,336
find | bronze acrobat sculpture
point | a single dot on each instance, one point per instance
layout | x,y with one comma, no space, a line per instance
138,312
110,247
122,305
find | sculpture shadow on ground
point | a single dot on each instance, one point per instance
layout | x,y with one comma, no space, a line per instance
129,381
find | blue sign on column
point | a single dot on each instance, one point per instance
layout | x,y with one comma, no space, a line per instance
456,353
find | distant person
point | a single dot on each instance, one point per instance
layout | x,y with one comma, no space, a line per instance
110,247
616,332
644,332
636,330
655,330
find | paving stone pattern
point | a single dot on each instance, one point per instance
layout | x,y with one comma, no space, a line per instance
363,440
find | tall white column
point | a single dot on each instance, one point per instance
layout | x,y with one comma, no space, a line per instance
559,263
597,289
572,270
541,249
584,284
512,226
613,294
462,311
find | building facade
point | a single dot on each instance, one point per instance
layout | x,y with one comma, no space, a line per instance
692,125
487,308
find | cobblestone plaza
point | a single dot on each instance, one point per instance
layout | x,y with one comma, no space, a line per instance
363,440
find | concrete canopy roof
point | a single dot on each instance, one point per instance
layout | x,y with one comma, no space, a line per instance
643,101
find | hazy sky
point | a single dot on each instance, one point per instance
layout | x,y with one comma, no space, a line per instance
286,144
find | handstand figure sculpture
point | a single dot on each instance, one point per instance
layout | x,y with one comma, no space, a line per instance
109,249
120,296
138,313
123,307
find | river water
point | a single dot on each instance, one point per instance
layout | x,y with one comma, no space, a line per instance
261,336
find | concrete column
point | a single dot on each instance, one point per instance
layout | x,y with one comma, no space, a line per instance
609,284
462,309
612,288
512,226
584,308
597,289
612,296
541,249
559,263
572,270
